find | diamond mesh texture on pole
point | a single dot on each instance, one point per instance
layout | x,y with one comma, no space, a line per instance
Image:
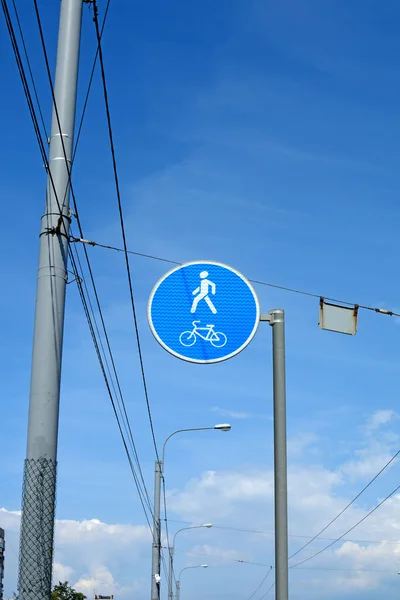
36,544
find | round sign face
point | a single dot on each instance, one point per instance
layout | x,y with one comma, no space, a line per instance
203,312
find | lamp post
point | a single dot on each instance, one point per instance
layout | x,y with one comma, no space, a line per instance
171,555
178,582
159,468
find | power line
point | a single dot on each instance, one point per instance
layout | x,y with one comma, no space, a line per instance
79,131
348,531
103,370
291,535
381,311
119,397
268,591
35,123
69,169
261,584
121,217
87,313
29,67
32,111
167,530
238,560
347,506
24,80
256,564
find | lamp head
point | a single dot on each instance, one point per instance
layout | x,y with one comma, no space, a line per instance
223,427
204,566
208,525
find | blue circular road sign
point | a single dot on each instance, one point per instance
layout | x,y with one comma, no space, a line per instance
203,312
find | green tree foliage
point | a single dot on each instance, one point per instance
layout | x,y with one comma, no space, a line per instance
63,591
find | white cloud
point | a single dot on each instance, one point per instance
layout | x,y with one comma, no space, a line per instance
114,557
369,461
62,572
91,554
298,444
232,413
215,495
380,417
100,580
93,530
377,449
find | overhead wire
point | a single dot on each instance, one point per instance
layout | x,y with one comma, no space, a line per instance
167,530
255,281
122,226
142,486
103,370
24,80
121,218
85,104
144,497
29,68
31,107
348,530
291,535
268,591
381,311
261,584
347,505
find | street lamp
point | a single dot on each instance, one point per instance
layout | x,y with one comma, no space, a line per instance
159,468
178,582
171,555
222,427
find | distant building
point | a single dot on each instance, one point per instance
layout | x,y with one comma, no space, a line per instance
2,549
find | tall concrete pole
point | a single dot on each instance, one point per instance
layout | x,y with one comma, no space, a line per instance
156,548
170,573
38,503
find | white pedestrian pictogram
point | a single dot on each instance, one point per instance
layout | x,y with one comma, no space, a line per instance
202,293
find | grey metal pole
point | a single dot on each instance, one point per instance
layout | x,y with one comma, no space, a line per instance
156,548
178,590
38,502
170,572
277,321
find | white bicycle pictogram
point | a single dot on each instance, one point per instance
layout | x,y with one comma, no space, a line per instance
216,338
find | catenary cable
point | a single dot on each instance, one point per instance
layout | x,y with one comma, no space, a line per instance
122,224
257,564
261,584
28,96
48,70
348,530
268,591
85,104
347,506
29,67
381,311
167,530
291,535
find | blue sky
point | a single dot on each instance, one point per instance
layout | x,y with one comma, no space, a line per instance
263,135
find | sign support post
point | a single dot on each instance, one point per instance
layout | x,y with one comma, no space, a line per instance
206,312
276,319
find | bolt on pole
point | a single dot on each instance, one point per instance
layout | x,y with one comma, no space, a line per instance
38,502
